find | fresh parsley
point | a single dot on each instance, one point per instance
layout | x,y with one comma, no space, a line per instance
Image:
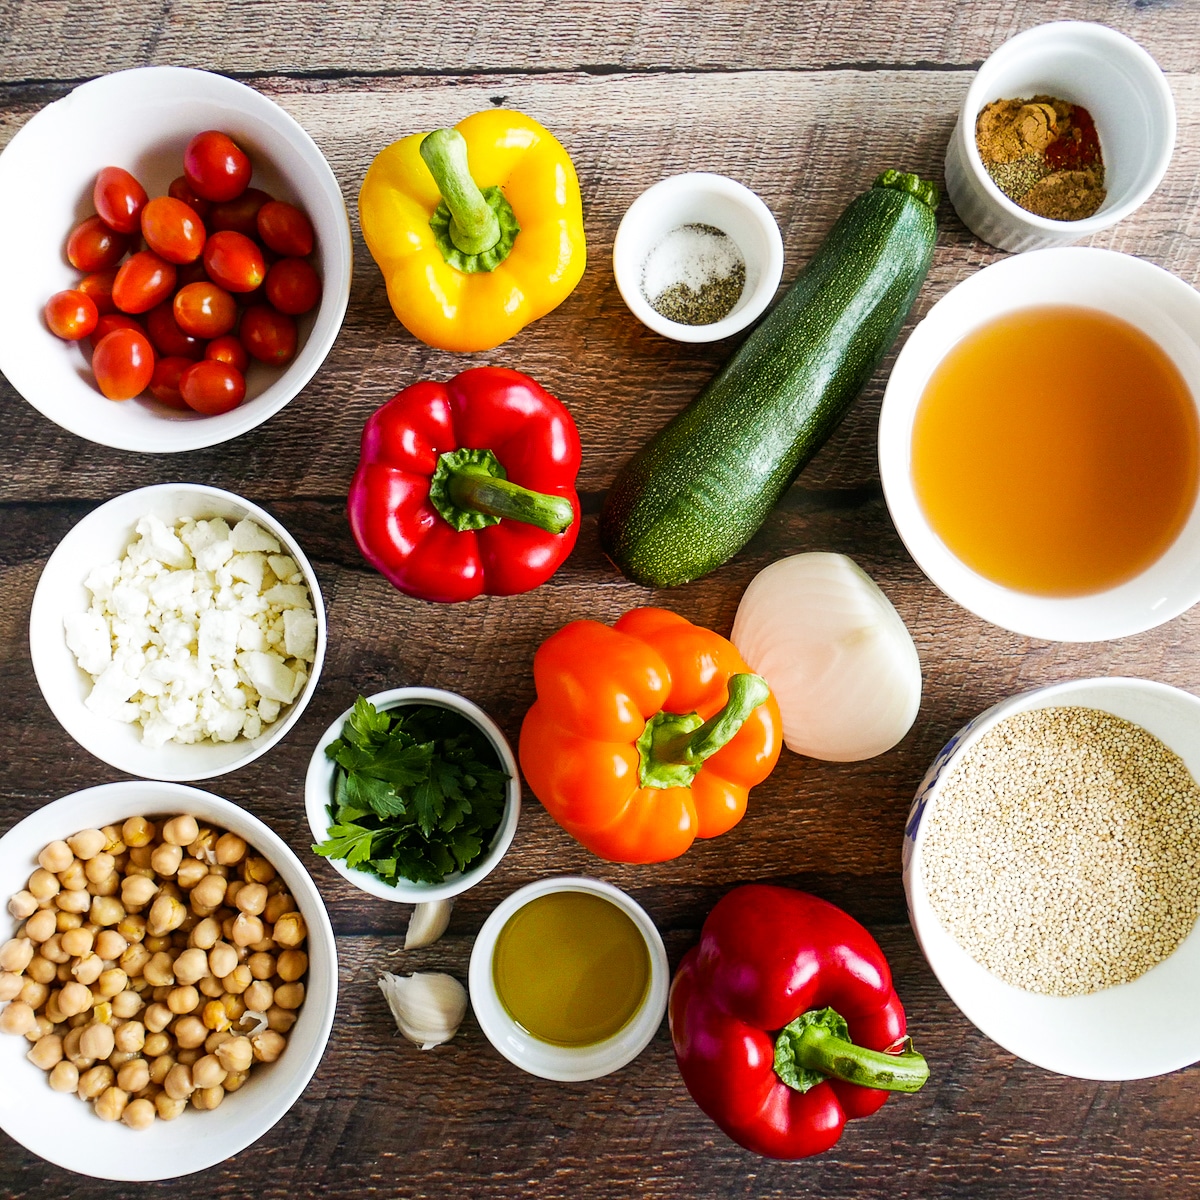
418,792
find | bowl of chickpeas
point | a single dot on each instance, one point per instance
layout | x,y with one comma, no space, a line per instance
168,980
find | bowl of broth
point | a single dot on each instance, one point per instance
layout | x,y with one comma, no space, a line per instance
569,978
1039,445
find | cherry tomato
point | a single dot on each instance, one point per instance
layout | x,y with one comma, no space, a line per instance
142,282
71,315
215,166
119,199
172,230
212,387
92,246
293,286
234,261
205,310
285,229
110,321
182,190
99,287
228,350
192,272
240,215
164,384
167,337
268,335
124,364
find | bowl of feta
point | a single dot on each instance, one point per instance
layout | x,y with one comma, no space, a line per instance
177,632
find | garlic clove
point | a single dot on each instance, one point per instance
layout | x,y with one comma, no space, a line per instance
429,1006
427,923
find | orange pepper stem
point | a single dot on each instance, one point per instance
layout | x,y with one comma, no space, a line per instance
674,746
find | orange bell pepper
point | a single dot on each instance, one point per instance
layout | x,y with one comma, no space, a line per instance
646,735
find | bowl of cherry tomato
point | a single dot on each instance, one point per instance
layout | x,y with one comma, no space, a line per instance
182,267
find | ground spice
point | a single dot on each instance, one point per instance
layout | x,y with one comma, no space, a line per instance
1044,154
1062,851
694,276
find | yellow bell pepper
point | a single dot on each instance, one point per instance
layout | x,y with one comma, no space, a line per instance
478,229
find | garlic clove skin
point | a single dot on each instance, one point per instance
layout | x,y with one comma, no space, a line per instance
427,924
429,1006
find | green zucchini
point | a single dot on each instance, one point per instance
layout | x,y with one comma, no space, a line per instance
697,492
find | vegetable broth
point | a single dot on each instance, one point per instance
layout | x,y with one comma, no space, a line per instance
1056,451
571,968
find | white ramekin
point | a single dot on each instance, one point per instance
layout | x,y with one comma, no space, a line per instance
699,198
1084,63
567,1063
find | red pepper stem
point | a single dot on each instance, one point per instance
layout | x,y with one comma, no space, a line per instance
501,498
813,1046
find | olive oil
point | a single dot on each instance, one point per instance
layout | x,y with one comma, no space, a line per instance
1056,451
571,968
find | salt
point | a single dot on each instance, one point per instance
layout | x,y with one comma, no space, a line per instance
695,258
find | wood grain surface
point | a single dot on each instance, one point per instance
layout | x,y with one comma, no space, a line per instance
805,104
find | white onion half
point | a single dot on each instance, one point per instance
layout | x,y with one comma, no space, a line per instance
837,655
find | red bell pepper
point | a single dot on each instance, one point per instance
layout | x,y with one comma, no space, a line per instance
785,1022
467,486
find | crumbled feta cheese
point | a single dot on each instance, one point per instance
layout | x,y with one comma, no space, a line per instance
182,638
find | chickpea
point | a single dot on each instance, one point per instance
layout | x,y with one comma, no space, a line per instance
134,1075
94,1081
190,1032
258,870
236,1054
97,1041
261,964
74,998
180,831
137,831
88,969
64,922
41,969
137,891
165,859
78,942
156,943
252,899
107,910
190,872
52,1010
191,966
87,843
291,965
126,1004
108,886
118,1058
246,929
215,1017
230,849
205,934
111,1104
73,902
208,893
206,1099
238,980
113,842
17,953
130,1035
39,928
100,867
166,914
133,961
111,944
11,983
185,999
234,1007
132,928
217,1038
167,1108
161,1067
234,1080
113,982
178,1083
139,1114
211,987
222,959
268,1045
52,949
289,995
141,858
64,1077
208,1072
23,904
156,1044
47,1052
34,994
259,996
231,891
277,905
74,878
159,970
280,1019
56,857
290,930
204,841
43,885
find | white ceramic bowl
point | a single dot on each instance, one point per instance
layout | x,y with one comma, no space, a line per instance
103,536
1156,302
318,794
700,198
65,1131
567,1063
1073,1035
142,120
1115,80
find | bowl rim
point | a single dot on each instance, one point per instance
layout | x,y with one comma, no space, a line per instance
44,667
318,784
567,1064
1152,79
261,1118
700,183
211,431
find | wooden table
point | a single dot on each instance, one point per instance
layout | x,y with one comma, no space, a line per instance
804,103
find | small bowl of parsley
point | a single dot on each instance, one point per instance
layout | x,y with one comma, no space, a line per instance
413,795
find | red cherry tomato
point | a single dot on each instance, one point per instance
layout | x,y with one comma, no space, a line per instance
110,321
205,310
124,364
182,190
119,199
216,166
142,282
212,387
167,337
192,272
164,384
99,287
172,230
240,215
234,261
228,350
92,246
285,229
71,315
268,335
293,286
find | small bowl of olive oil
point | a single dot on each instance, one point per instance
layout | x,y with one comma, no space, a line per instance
569,978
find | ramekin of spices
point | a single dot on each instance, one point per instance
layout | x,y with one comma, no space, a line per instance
698,257
1052,868
1065,130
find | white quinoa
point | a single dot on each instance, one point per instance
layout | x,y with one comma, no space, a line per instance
1063,851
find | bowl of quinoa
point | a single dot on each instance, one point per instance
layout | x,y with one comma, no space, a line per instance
1052,869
